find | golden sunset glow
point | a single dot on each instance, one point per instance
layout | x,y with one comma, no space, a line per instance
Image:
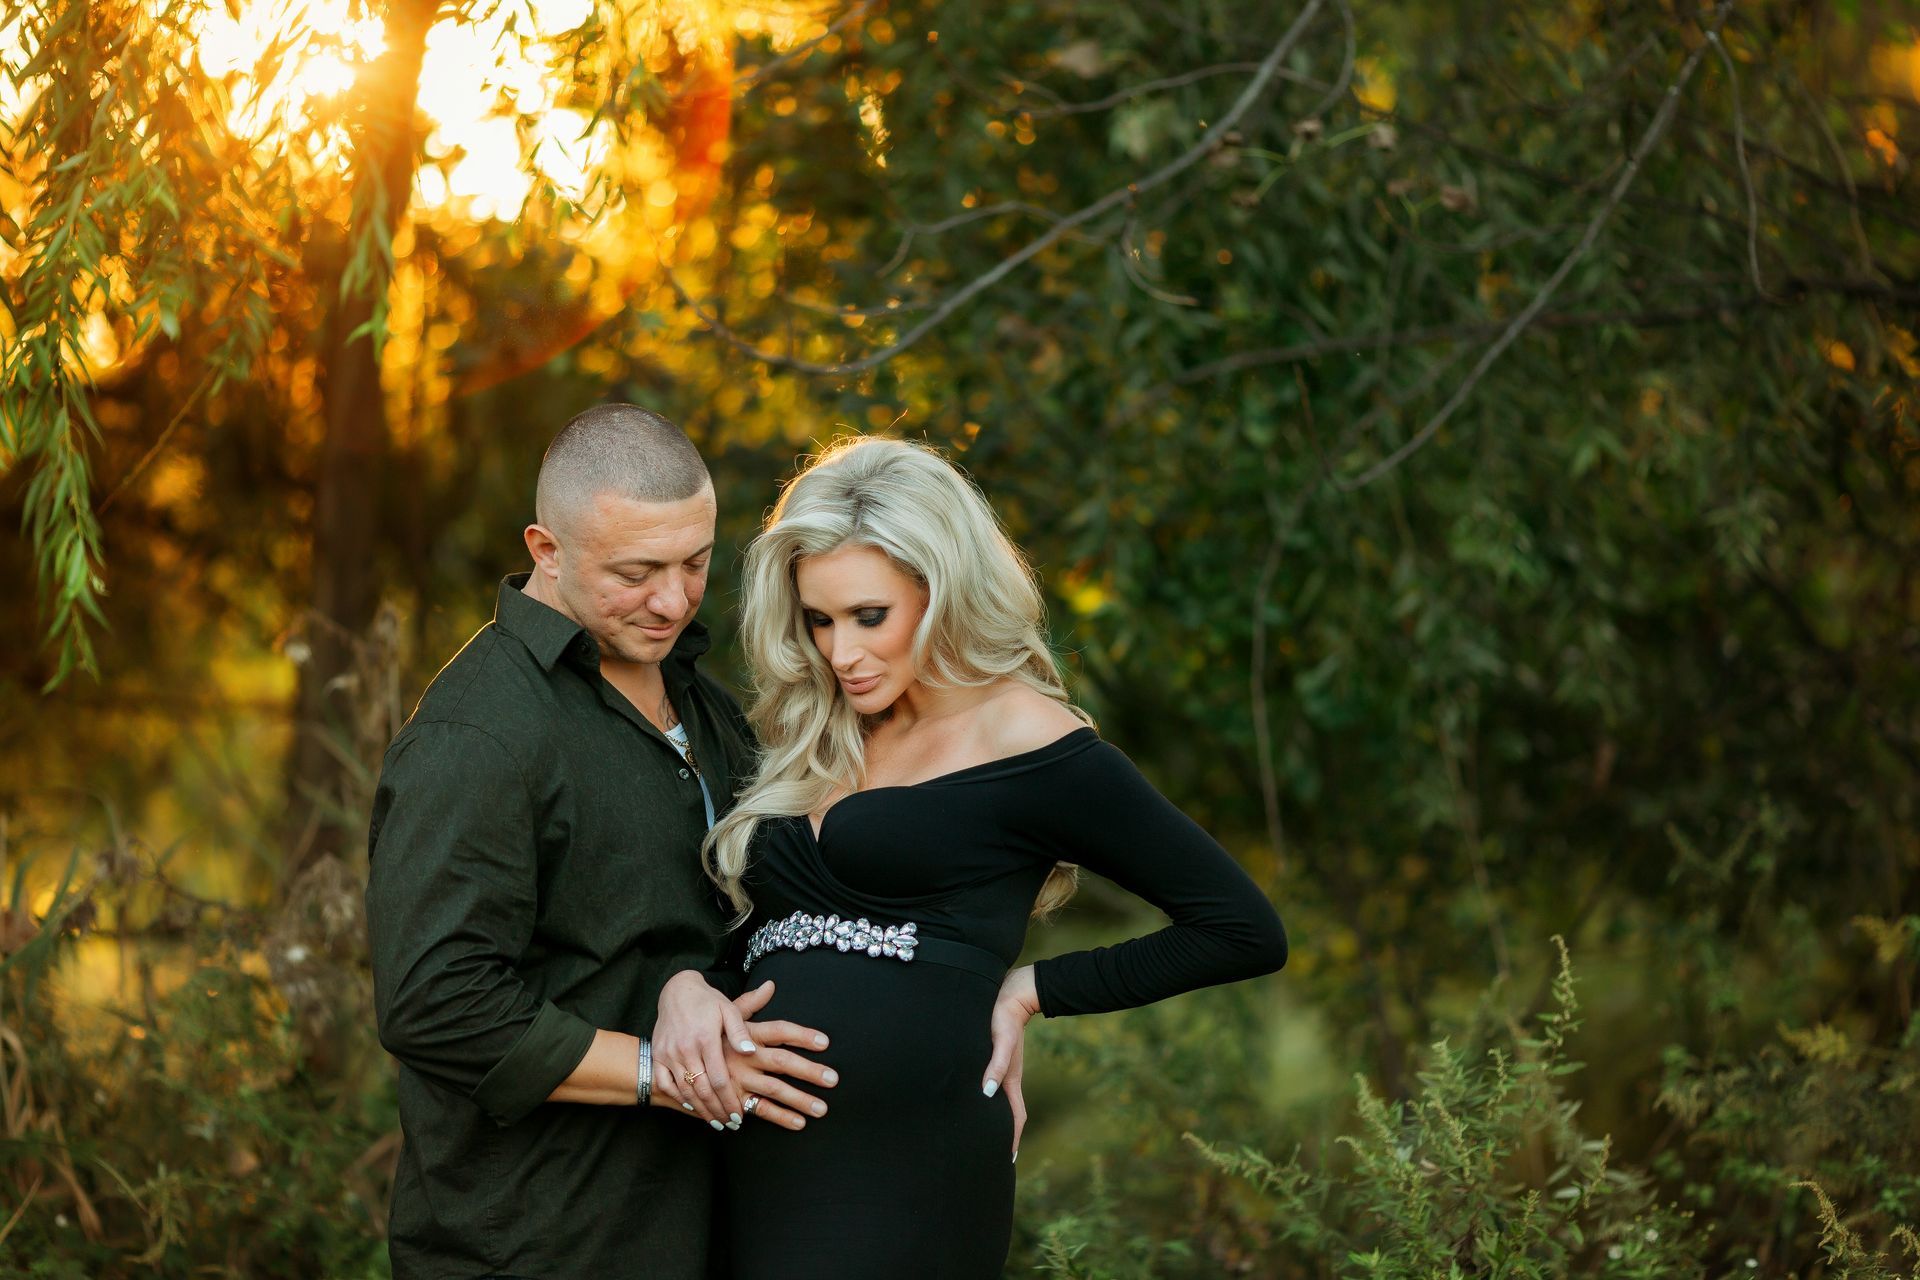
478,80
286,74
487,87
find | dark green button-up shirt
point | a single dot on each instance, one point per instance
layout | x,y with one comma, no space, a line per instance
535,874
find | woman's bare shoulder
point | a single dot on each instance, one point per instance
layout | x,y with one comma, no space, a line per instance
1020,718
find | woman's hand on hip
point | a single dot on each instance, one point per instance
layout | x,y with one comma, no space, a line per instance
1017,1003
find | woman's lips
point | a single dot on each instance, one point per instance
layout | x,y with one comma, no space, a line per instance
857,687
659,633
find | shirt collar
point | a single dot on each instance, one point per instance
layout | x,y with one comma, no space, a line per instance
549,634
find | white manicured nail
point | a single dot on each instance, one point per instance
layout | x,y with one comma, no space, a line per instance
1016,1158
733,1117
746,1046
716,1124
992,1087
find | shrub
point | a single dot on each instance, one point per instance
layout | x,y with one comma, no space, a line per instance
185,1130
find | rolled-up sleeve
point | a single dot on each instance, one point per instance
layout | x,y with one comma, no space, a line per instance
451,904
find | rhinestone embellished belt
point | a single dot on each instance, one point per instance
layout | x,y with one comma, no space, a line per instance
801,931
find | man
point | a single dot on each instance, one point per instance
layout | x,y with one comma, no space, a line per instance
536,881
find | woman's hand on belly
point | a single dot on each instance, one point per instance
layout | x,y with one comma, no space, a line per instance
1018,1001
699,1030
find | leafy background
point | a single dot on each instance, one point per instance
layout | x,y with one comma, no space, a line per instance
1471,452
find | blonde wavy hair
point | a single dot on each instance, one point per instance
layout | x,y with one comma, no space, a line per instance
983,623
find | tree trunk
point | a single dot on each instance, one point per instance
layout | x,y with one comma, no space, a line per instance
325,798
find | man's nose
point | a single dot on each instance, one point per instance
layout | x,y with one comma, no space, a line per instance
669,601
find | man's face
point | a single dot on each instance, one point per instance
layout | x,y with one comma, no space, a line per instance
633,573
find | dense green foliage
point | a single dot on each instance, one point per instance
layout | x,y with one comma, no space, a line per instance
1613,638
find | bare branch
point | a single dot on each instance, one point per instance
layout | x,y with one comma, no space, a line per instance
1740,151
1141,90
1338,89
1130,263
1648,140
1150,86
1282,527
891,307
985,211
916,229
1819,118
1208,142
161,443
1339,344
1791,291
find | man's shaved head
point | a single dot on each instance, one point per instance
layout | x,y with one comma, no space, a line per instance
624,537
619,449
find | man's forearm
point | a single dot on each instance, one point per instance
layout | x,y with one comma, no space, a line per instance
608,1076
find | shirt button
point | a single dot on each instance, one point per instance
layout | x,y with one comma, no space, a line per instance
685,774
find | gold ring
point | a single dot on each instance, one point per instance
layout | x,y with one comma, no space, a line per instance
691,1076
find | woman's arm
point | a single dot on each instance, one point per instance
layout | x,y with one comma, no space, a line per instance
1097,810
1094,808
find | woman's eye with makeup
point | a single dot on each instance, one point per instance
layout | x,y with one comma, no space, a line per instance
871,617
814,621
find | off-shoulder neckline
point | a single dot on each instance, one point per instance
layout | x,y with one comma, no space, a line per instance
1019,762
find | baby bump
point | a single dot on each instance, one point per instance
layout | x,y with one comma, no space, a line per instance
910,1171
901,1033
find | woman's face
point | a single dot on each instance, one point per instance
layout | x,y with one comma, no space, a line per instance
861,611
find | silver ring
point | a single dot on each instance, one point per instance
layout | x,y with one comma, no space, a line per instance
753,1100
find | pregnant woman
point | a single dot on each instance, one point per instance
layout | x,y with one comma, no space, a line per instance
926,788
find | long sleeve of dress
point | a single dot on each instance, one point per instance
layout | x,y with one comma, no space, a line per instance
1102,814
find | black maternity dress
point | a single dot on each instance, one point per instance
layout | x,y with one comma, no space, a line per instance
910,1173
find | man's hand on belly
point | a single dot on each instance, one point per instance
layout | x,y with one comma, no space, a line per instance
700,1032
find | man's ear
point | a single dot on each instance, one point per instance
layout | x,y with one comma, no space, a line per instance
544,547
